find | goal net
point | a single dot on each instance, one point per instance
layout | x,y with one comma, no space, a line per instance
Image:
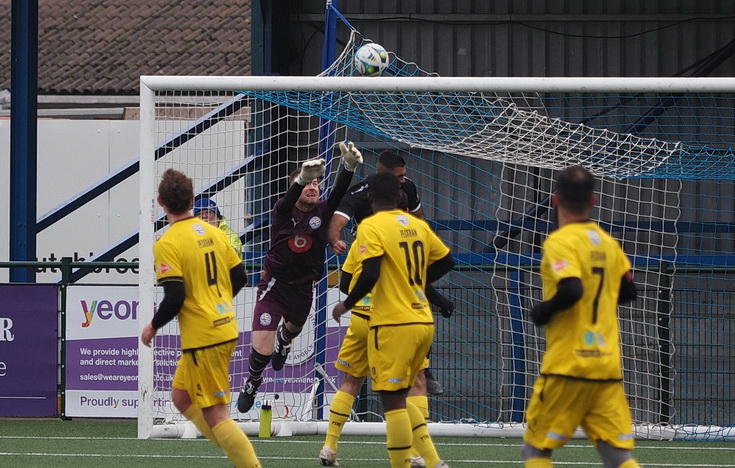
483,152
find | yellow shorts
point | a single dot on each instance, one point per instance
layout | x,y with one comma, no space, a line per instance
205,375
396,353
353,356
559,405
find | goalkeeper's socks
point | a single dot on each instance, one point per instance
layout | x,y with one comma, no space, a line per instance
339,412
256,365
284,335
421,438
398,437
538,462
195,415
236,445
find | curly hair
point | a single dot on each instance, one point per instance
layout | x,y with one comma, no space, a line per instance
176,191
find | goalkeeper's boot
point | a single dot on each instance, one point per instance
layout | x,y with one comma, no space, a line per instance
433,387
247,395
328,457
280,351
441,464
418,462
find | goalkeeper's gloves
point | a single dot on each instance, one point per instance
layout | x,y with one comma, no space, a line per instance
310,170
351,156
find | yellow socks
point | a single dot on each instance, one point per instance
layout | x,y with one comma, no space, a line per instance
632,463
421,438
194,414
339,412
236,445
422,403
398,435
538,462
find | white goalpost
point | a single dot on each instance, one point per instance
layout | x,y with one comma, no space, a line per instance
483,152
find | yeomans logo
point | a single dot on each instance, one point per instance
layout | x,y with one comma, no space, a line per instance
94,312
107,310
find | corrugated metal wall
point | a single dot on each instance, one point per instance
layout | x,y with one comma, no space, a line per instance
532,38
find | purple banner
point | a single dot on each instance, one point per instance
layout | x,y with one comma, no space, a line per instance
102,364
28,350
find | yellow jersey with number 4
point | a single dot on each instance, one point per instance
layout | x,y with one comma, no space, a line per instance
200,255
408,246
582,341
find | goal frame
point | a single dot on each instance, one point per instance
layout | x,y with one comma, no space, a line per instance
147,197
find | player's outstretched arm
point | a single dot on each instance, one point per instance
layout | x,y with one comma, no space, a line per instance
310,170
351,158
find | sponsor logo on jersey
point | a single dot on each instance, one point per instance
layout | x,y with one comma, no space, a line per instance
199,229
594,236
402,219
300,243
265,319
559,265
163,268
315,222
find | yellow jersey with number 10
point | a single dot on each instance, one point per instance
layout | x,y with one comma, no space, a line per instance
582,341
201,256
408,246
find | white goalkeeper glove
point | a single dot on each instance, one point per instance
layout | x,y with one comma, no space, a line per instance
310,170
351,156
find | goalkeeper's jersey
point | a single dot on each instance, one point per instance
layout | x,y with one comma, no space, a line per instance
353,266
582,341
407,246
201,256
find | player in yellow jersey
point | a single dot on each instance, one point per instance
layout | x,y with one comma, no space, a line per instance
585,276
399,256
353,362
200,273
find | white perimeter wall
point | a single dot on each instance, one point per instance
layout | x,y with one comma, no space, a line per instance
73,155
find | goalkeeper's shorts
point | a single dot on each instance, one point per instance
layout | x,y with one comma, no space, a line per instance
278,299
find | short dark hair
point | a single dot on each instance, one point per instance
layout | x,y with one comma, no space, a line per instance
575,187
385,188
176,191
391,160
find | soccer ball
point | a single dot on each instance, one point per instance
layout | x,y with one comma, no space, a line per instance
371,59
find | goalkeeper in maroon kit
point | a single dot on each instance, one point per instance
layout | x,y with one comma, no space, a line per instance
292,265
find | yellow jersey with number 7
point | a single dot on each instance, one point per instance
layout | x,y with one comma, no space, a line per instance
582,341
